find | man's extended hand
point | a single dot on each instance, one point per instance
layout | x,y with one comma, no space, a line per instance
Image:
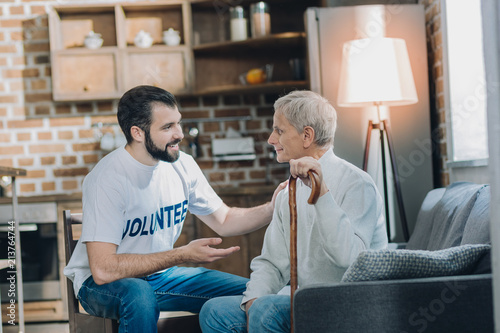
199,251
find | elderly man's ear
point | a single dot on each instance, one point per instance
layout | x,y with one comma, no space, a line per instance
308,136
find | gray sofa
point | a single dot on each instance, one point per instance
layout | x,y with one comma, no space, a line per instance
434,301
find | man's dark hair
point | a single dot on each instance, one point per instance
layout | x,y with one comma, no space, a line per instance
136,106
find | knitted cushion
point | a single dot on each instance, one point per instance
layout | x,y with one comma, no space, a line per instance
405,264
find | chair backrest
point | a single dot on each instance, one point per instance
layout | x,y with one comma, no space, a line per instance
71,220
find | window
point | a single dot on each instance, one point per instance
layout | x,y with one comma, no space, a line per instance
464,82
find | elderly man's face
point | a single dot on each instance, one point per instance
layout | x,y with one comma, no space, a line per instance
285,139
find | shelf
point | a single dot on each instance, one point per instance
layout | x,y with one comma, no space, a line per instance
158,48
271,87
85,51
286,39
78,9
12,172
157,6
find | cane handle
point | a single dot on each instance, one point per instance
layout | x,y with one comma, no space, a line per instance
315,187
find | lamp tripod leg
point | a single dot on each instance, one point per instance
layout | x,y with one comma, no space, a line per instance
397,185
378,126
386,190
367,145
384,128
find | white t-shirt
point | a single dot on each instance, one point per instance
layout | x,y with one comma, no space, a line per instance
140,208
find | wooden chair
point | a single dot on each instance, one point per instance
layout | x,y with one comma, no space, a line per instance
82,322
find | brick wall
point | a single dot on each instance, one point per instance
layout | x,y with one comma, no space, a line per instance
58,143
438,115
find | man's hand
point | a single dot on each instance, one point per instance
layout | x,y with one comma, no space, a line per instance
300,167
278,189
199,251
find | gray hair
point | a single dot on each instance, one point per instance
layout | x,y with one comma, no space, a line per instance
306,108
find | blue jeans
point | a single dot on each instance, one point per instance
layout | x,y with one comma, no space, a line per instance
137,302
270,313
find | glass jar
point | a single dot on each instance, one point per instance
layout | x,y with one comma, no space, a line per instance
238,23
260,19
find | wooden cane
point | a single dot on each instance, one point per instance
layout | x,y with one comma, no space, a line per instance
315,192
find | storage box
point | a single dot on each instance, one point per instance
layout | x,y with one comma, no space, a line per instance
233,149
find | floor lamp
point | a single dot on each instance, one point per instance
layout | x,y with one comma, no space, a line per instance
377,72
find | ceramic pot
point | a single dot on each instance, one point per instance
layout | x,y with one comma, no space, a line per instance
93,40
143,40
171,37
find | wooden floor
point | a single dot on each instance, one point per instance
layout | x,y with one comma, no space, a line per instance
38,328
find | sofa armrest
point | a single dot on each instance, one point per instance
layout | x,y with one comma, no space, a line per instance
441,304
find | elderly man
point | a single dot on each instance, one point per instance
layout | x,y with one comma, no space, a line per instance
347,218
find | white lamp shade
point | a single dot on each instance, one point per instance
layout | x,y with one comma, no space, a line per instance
376,71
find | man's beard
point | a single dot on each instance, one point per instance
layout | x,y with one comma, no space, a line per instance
161,154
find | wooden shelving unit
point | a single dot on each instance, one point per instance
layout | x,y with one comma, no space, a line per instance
205,62
219,62
79,73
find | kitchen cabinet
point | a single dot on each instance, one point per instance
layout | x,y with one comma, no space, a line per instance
157,68
79,73
86,75
219,62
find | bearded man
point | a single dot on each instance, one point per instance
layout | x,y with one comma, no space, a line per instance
135,202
